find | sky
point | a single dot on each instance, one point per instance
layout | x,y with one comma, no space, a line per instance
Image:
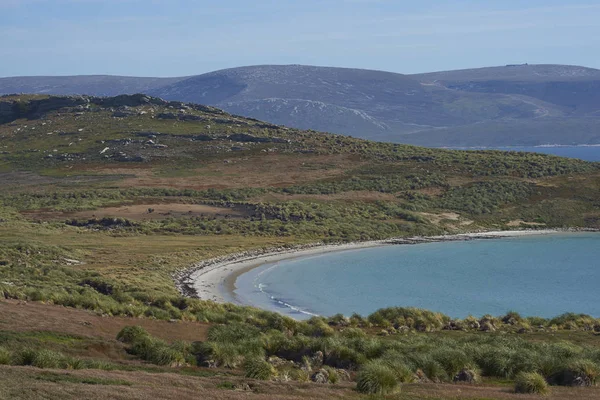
184,37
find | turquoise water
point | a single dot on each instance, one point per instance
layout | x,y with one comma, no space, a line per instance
542,275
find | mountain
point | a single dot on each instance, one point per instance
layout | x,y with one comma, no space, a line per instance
498,106
97,85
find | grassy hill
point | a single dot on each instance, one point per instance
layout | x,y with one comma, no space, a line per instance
538,104
104,199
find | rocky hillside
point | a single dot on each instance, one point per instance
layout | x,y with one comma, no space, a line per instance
511,105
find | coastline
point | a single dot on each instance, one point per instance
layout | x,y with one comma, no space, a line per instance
214,279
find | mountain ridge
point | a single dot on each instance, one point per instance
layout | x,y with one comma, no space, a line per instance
379,105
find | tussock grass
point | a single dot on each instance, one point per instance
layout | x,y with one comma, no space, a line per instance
531,382
258,368
5,356
376,378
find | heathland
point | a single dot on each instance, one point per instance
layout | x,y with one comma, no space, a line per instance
104,200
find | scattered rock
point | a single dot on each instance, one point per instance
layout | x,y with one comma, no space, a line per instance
276,361
244,387
344,375
208,364
421,377
166,116
190,117
321,376
122,114
316,360
487,325
466,376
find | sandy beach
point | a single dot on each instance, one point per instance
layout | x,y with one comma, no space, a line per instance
215,279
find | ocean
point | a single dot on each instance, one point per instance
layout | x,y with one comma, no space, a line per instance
540,275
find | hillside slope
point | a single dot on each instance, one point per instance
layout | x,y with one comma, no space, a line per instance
107,202
534,104
368,104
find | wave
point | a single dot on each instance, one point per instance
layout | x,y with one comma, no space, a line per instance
261,287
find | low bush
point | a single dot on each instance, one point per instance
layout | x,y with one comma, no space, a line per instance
376,378
5,356
132,334
257,368
531,382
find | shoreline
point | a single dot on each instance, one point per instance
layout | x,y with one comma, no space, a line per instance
214,279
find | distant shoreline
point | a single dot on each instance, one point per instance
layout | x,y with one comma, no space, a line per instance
214,279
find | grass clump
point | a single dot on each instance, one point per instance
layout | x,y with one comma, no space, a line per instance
151,349
226,385
132,334
40,358
376,378
256,368
68,378
5,356
532,383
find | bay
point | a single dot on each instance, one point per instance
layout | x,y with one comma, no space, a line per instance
541,275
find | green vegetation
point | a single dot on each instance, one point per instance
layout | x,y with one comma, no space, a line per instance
376,378
531,382
67,378
76,230
45,358
256,368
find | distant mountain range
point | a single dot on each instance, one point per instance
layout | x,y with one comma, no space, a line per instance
498,106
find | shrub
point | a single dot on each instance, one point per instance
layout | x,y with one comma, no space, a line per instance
5,356
376,378
402,371
453,361
232,333
531,382
332,374
131,334
47,359
161,354
227,355
434,371
256,368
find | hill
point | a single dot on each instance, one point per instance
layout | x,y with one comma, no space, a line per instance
97,85
534,104
106,202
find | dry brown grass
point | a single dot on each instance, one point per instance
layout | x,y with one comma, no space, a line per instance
30,383
485,391
254,171
31,316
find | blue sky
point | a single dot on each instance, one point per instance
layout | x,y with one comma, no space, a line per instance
178,37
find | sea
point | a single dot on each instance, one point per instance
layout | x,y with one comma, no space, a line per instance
583,152
537,275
